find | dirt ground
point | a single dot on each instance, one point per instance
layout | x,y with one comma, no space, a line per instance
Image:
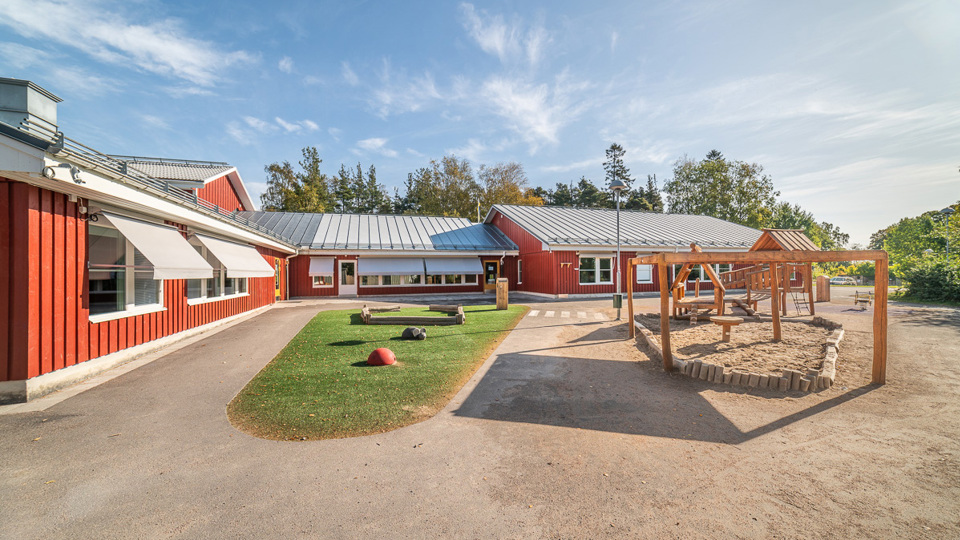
751,347
568,431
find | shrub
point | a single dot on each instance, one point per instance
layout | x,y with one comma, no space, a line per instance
934,279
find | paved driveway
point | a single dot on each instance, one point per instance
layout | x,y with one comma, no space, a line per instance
567,431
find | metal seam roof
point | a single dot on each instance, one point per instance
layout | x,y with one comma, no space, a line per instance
563,226
383,232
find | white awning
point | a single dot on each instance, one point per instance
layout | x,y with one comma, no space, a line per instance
242,261
167,250
454,265
389,266
321,266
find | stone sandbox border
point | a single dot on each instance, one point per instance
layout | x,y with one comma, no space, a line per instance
789,380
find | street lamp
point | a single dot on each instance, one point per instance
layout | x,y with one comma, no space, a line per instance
948,211
616,187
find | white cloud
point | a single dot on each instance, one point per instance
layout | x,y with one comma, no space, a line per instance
575,166
239,133
296,127
507,41
376,145
614,37
348,74
536,112
161,46
335,133
285,65
258,124
55,73
154,121
401,94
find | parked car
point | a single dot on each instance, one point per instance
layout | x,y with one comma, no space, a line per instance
842,280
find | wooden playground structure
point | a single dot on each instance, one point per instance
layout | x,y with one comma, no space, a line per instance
775,256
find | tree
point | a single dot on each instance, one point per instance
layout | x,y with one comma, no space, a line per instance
823,234
505,183
653,194
614,167
587,195
730,190
306,190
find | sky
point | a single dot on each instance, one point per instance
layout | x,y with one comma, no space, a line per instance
852,108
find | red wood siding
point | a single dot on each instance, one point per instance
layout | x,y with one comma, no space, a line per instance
221,193
44,309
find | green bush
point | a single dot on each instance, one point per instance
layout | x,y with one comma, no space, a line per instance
937,280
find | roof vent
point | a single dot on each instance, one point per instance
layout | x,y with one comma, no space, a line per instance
22,101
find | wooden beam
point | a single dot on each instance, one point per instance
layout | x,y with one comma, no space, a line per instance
631,329
775,301
808,281
664,317
758,257
681,276
880,322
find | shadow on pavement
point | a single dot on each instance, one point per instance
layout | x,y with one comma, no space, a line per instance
612,396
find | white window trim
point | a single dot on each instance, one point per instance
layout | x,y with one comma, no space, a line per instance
139,310
519,271
596,271
203,298
321,285
129,288
650,280
423,281
206,300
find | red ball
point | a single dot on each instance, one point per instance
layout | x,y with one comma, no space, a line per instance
381,357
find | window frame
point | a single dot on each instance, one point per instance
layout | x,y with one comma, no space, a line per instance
316,285
519,271
596,270
242,285
131,309
649,268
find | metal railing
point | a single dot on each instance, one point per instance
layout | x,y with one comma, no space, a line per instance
94,160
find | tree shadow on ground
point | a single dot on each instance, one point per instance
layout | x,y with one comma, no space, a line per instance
614,396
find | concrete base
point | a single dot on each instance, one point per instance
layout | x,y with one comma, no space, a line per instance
26,390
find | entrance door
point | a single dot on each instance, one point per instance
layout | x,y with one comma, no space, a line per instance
491,271
276,279
348,278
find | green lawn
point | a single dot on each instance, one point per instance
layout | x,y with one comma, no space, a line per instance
319,386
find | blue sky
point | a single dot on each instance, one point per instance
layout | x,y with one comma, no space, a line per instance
853,108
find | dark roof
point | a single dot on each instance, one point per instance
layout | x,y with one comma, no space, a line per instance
784,240
559,226
383,232
298,228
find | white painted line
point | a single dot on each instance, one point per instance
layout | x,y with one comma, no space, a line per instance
599,316
533,313
565,314
548,314
581,314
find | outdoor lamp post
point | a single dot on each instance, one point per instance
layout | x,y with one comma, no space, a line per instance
948,211
616,187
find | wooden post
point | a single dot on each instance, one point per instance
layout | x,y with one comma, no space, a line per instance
631,329
775,300
880,322
823,289
808,285
664,316
503,299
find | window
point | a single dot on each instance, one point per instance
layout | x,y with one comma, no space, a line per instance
519,271
595,270
322,281
121,278
391,281
451,279
219,286
644,273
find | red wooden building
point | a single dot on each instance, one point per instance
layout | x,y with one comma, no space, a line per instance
572,251
103,256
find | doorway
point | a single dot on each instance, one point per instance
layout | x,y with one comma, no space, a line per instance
348,278
491,271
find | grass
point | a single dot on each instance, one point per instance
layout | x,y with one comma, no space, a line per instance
319,386
903,297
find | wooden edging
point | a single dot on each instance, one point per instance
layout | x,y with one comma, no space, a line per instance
789,380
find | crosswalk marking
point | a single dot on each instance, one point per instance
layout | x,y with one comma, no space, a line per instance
565,314
548,314
534,312
581,314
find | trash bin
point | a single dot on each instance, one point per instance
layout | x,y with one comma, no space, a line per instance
618,300
502,293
